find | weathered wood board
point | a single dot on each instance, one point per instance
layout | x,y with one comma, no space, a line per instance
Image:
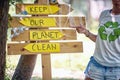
38,9
64,47
38,35
40,22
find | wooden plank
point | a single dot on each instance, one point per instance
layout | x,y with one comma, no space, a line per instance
61,21
43,47
65,47
44,22
68,34
43,2
35,9
46,59
46,67
64,10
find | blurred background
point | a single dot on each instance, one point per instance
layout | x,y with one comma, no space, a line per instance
69,66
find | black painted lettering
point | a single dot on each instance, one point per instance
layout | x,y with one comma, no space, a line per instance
53,34
40,9
31,22
37,9
39,36
38,47
33,47
48,47
56,34
53,46
50,35
43,34
41,22
31,9
34,35
43,46
34,22
44,9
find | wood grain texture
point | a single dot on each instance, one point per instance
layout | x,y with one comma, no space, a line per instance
46,67
62,21
65,47
64,9
69,34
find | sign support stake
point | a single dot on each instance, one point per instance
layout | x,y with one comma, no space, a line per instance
46,60
46,67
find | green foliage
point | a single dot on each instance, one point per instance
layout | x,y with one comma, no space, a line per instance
7,77
9,19
12,2
9,69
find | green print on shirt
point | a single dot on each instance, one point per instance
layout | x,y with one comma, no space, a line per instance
114,34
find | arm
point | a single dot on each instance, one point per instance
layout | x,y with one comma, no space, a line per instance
82,29
90,35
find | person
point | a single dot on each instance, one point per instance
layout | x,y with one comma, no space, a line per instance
105,62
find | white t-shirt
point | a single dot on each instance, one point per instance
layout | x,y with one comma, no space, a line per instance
107,50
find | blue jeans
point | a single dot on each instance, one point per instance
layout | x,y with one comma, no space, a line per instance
97,71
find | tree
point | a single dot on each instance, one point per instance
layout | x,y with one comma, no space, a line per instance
4,7
25,67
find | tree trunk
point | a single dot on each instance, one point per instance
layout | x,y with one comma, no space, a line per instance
4,6
25,66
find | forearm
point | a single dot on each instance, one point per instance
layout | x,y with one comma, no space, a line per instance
82,29
90,35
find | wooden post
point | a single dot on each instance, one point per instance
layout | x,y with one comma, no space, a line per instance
43,2
46,67
46,60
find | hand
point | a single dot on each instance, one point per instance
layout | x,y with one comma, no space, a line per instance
80,29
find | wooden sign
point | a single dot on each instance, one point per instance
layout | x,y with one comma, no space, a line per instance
43,22
45,48
46,35
40,9
38,22
43,34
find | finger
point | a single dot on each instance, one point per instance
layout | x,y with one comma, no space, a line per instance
78,30
74,26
